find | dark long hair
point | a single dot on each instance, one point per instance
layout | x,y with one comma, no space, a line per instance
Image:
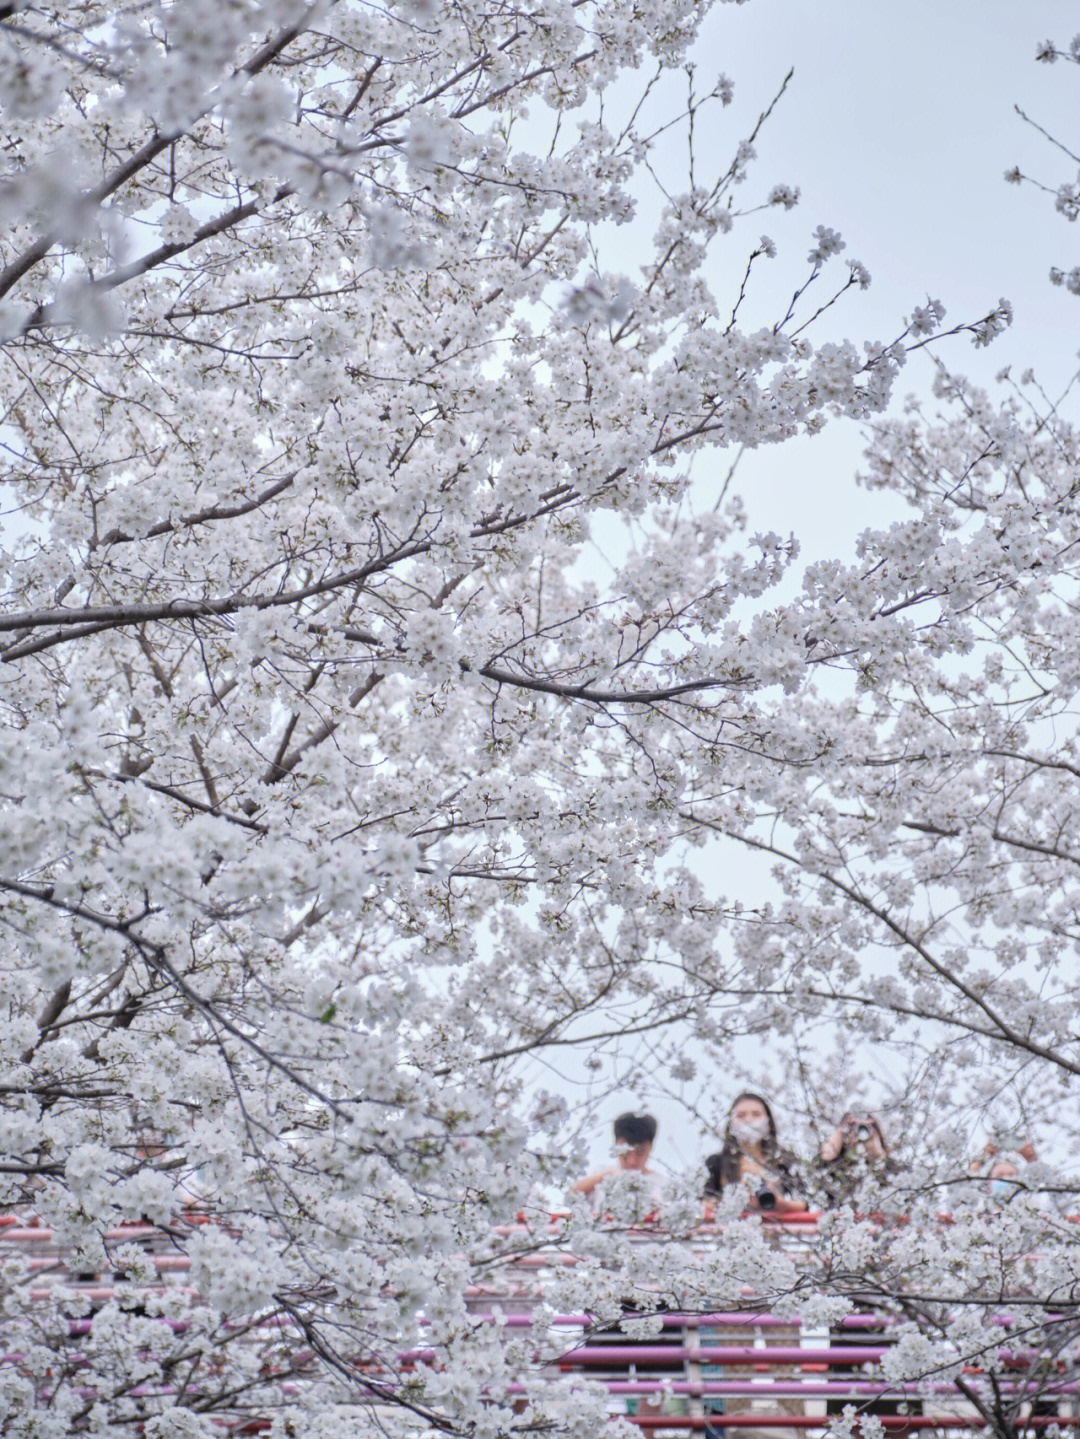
724,1167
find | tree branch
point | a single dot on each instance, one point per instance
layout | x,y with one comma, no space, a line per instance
144,156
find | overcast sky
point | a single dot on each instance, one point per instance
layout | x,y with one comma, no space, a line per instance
898,127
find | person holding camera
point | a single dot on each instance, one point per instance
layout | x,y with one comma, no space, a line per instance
752,1154
856,1136
752,1159
856,1148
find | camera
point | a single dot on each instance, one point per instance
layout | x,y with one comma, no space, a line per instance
765,1197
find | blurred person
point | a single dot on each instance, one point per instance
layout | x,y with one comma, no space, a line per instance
999,1164
634,1135
856,1136
857,1147
752,1157
752,1154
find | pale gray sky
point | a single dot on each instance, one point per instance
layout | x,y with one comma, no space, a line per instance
898,127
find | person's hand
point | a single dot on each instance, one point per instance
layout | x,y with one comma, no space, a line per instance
874,1147
1026,1150
833,1146
790,1204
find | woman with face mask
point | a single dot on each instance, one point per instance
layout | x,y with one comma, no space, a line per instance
752,1153
751,1158
999,1164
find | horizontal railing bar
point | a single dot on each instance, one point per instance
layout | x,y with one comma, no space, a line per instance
162,1262
901,1422
35,1235
684,1321
742,1354
811,1389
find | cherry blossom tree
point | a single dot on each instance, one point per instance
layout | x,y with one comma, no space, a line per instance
336,777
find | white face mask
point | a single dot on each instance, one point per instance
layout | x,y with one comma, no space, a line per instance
750,1131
